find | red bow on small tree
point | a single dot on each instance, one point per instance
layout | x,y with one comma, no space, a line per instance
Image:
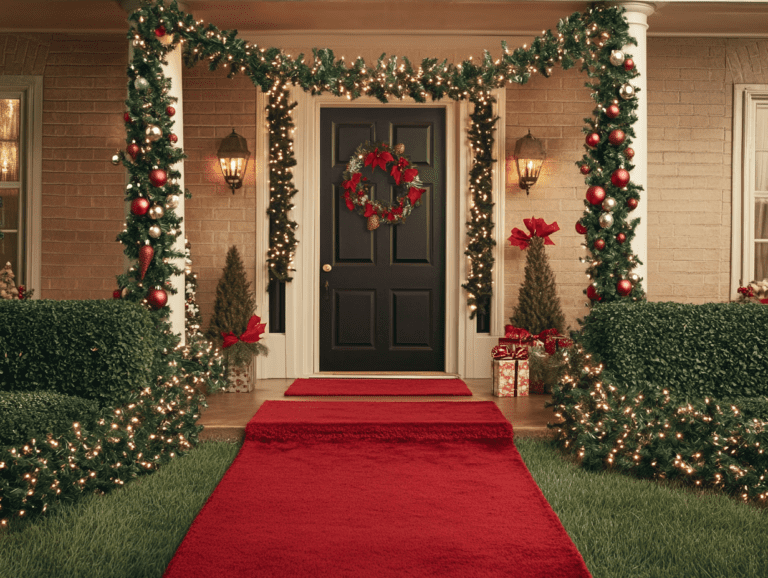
538,228
251,335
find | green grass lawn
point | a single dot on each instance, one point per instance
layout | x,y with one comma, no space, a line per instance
622,526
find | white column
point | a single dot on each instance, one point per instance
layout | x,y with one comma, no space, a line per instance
173,71
637,16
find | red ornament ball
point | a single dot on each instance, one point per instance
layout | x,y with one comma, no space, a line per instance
624,287
160,31
116,294
127,118
173,138
595,195
593,294
170,111
616,137
580,228
612,111
599,244
139,206
157,298
632,203
158,177
593,139
133,150
621,237
585,170
629,64
629,152
620,178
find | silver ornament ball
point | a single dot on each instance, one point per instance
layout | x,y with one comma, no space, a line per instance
155,232
116,159
617,58
156,212
627,91
609,204
634,277
141,83
172,201
606,220
153,132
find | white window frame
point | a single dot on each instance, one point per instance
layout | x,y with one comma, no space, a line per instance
30,90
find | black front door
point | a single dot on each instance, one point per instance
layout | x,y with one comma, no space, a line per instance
382,304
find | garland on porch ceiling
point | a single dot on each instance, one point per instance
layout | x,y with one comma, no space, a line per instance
593,38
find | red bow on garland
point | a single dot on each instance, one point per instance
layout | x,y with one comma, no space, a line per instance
538,228
251,335
379,159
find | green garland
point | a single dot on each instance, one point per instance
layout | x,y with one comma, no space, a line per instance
588,38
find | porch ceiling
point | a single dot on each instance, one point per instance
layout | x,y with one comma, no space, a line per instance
673,18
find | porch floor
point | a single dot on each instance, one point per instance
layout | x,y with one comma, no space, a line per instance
228,413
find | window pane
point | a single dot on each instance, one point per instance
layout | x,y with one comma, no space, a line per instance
761,261
9,253
761,218
9,209
10,124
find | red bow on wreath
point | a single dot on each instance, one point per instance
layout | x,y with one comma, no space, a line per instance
251,335
538,228
401,172
379,159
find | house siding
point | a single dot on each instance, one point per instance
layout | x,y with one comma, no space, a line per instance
690,84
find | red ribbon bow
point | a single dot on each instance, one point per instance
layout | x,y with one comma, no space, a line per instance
251,335
524,336
503,352
378,159
538,228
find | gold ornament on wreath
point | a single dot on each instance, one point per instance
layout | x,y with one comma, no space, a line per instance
391,160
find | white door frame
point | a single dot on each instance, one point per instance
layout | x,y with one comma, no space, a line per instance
467,353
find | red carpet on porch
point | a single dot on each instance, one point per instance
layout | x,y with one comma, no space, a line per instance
383,507
329,386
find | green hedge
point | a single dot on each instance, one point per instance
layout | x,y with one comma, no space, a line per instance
97,350
28,414
718,349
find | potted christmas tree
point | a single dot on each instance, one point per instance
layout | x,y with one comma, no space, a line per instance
234,324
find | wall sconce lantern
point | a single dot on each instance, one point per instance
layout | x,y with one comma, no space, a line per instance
233,155
529,158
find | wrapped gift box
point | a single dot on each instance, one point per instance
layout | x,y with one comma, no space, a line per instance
510,372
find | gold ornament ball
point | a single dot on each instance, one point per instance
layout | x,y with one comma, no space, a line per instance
155,232
617,58
606,220
141,83
609,204
627,91
634,277
399,148
153,133
116,159
172,201
373,222
156,212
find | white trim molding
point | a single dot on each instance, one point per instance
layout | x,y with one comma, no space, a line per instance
296,354
30,89
746,98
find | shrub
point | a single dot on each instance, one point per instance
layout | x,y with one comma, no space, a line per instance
649,430
718,349
97,350
28,414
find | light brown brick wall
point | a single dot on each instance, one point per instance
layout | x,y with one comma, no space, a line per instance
215,218
690,118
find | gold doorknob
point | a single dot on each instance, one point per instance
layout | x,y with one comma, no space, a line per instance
327,268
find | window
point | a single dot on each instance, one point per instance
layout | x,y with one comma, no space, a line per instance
20,176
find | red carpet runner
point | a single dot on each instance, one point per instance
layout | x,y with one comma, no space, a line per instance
424,502
378,387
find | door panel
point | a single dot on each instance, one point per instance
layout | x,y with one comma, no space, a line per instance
383,302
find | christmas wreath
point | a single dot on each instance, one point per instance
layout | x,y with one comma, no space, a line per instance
392,161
